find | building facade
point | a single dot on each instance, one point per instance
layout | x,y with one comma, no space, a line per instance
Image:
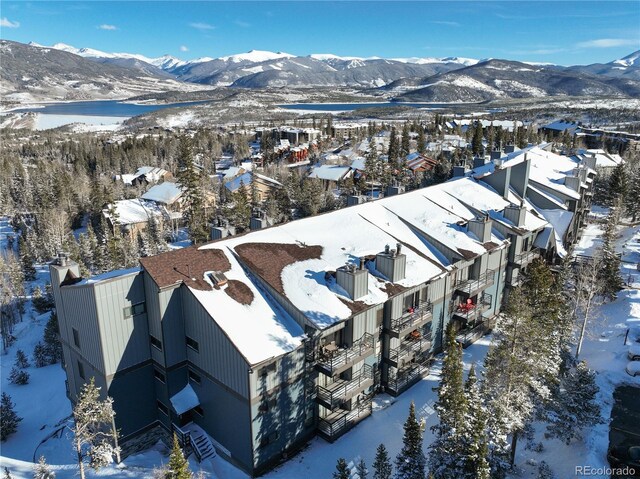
253,344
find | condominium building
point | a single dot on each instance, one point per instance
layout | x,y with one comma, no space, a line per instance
252,344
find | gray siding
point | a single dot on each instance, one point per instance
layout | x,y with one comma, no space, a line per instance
127,337
173,325
218,356
154,316
134,399
79,306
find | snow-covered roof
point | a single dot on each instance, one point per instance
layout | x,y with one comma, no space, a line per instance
603,159
340,237
166,193
109,275
560,220
261,329
561,126
133,211
151,173
242,180
330,172
358,164
184,400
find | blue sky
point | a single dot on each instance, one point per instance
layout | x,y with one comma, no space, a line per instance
565,33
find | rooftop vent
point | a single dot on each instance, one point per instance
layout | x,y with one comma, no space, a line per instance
63,259
218,278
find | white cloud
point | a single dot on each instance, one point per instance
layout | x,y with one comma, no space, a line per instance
201,26
608,43
106,26
445,23
5,22
184,48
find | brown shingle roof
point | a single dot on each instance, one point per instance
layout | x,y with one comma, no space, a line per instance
186,265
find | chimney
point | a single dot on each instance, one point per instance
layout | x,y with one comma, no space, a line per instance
516,214
481,227
354,281
219,232
572,182
510,148
362,260
392,263
478,161
495,154
459,171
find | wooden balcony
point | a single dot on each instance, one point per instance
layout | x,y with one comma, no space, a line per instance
339,422
525,257
471,287
475,331
334,360
340,391
411,320
408,350
400,380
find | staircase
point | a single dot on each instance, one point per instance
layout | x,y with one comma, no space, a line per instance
200,442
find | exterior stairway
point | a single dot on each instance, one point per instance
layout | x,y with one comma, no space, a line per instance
201,443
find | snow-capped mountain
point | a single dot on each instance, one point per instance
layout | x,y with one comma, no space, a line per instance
255,56
632,60
410,79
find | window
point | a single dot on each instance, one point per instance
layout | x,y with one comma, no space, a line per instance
199,410
273,437
134,309
76,337
81,370
159,376
155,342
193,344
270,368
194,377
379,317
163,409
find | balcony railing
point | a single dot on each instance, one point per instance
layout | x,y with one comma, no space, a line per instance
526,257
469,312
474,332
334,360
342,390
412,319
409,349
401,379
470,287
337,423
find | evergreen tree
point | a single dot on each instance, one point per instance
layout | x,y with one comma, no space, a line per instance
189,179
27,259
7,474
632,199
382,468
404,141
476,465
21,360
52,345
476,143
618,185
510,377
575,405
394,147
18,376
410,462
8,418
342,470
609,273
40,356
361,469
94,439
422,142
42,470
448,449
178,467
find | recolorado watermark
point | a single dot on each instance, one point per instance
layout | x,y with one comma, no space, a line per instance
604,471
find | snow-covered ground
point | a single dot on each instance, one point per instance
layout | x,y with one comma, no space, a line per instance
43,403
